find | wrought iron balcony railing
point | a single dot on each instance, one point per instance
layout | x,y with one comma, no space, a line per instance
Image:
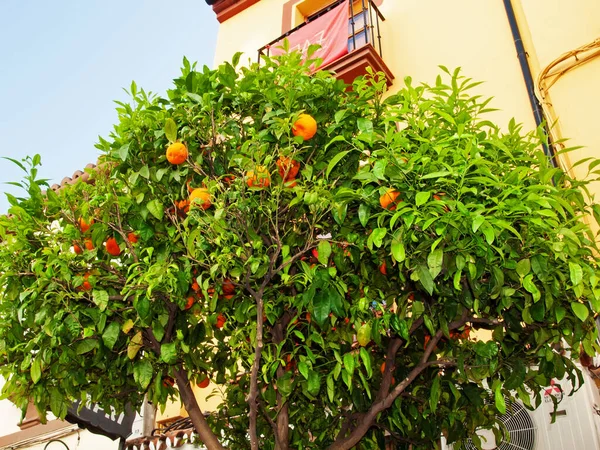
363,26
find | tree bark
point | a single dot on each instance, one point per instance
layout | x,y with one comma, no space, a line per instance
207,436
383,402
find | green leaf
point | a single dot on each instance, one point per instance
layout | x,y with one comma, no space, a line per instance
171,130
324,249
330,388
314,382
499,400
378,234
145,172
303,369
336,301
422,198
143,373
195,98
134,345
580,311
100,298
363,214
366,359
111,334
35,371
517,375
576,273
336,159
124,151
440,174
321,307
434,396
560,313
284,384
434,261
425,278
398,251
530,287
168,352
156,208
142,306
349,363
364,125
86,346
523,267
477,222
339,115
57,403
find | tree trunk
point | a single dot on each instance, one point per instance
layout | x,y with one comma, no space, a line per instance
191,405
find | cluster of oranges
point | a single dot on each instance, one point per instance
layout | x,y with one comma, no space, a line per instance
177,153
111,246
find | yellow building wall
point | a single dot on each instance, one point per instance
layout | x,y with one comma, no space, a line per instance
420,35
417,36
207,401
556,27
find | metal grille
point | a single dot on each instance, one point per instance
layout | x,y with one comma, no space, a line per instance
519,426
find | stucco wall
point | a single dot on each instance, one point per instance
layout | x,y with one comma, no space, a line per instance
417,36
556,27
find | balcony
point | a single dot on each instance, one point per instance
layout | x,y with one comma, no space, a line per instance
363,39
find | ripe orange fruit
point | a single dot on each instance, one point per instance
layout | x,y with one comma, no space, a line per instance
177,153
390,199
86,286
383,268
132,237
190,303
315,253
112,247
168,381
305,126
291,364
195,286
221,320
204,382
308,319
287,168
260,179
89,245
228,287
77,249
203,197
183,205
84,226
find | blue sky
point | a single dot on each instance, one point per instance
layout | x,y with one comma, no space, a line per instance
62,63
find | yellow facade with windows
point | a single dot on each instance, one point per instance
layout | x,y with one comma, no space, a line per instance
419,35
559,38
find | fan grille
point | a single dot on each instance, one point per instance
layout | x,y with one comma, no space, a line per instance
519,426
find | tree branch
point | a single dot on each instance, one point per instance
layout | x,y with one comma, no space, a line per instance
381,404
207,436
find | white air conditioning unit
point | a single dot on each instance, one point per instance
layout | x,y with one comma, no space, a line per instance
577,424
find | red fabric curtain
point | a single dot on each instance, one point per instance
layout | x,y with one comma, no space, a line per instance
330,31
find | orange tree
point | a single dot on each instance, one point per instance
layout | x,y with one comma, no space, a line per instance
333,275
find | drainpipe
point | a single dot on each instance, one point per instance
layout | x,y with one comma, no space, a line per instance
536,108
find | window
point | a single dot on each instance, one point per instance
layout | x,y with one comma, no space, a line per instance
358,35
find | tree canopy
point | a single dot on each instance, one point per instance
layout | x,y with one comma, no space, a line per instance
398,276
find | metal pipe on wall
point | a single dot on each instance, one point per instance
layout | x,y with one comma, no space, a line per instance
536,107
